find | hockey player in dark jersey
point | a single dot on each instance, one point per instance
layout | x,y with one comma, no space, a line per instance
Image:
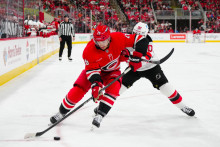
151,72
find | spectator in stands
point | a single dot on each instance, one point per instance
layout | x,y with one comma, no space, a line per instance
180,30
186,29
151,30
124,29
185,7
171,30
166,30
34,19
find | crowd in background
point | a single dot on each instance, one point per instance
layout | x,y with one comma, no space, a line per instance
212,8
189,4
213,14
86,14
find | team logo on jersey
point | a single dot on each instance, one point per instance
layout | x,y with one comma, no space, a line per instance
111,65
158,76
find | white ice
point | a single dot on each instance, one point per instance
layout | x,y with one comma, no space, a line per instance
141,117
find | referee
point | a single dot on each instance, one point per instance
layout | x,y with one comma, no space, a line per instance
65,31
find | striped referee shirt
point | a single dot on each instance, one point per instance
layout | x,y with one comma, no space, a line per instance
66,29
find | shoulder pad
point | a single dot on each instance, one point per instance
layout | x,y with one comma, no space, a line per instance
149,38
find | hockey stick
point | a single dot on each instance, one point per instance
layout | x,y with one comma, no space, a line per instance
161,60
32,135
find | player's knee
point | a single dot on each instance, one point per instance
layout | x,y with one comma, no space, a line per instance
167,89
159,85
127,84
114,89
85,88
76,94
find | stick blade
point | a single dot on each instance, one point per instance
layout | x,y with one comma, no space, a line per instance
30,135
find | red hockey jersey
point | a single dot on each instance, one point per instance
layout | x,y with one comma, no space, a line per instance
197,32
97,60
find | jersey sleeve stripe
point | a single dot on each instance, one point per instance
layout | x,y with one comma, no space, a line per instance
92,74
95,70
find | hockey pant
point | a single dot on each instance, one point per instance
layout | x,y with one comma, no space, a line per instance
82,86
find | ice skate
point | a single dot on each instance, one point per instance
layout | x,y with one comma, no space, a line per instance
97,120
57,117
188,111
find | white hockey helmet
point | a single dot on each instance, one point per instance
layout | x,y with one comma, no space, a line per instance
141,29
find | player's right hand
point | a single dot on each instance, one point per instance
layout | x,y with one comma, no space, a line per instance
124,55
96,87
135,61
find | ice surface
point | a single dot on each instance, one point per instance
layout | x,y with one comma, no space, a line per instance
141,117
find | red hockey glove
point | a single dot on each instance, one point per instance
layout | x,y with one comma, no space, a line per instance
96,86
124,55
135,61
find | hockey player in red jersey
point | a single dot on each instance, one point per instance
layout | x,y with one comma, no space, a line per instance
152,72
196,35
102,57
196,31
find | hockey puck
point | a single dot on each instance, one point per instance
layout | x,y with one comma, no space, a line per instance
56,138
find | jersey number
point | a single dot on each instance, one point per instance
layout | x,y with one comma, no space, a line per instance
86,62
150,48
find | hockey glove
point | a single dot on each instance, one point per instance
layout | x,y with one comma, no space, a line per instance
135,61
96,86
124,55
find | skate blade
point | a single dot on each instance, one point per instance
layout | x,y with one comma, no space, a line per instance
93,128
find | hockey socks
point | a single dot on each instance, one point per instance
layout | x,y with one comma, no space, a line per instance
106,104
172,95
176,99
104,107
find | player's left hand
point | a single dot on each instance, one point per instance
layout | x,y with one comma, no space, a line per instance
73,39
96,87
135,61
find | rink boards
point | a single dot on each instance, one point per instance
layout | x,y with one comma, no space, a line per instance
19,55
164,37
